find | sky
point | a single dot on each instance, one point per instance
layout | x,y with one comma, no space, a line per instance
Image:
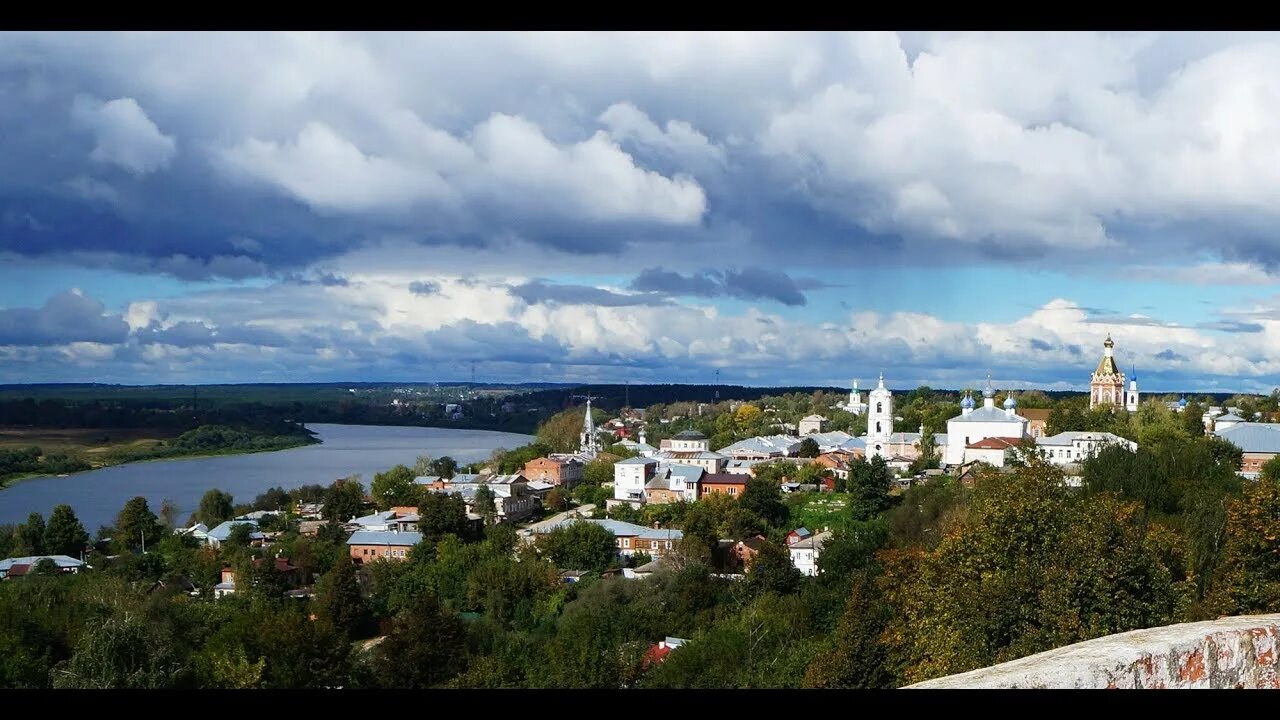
786,208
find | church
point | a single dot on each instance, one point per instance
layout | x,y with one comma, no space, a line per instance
1106,386
967,431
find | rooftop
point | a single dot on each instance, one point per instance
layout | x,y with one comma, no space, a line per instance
390,539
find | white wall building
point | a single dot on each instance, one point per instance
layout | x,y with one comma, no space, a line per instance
1070,447
812,424
879,420
630,476
973,425
805,553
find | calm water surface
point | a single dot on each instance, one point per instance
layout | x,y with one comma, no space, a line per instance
98,495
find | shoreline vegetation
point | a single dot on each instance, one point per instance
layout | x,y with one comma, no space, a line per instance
31,461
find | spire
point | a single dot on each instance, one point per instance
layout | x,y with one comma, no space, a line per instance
881,378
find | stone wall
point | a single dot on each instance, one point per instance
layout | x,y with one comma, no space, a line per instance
1232,652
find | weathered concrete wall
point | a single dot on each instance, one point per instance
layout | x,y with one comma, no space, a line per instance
1233,652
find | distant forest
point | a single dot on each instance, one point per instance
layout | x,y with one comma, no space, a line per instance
511,408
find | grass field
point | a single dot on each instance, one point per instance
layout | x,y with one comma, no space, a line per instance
818,510
86,443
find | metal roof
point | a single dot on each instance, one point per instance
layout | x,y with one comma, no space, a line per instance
62,561
620,528
987,414
393,539
1254,437
223,531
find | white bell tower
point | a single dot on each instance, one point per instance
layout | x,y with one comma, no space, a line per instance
879,420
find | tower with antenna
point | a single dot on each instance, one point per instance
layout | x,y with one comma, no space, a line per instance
589,446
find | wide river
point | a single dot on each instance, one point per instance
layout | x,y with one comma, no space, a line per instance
98,495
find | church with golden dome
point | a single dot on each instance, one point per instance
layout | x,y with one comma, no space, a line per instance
1106,387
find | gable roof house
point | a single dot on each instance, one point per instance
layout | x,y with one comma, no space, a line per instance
222,532
15,567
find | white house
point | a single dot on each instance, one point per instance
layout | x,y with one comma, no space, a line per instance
805,552
1074,446
812,424
630,476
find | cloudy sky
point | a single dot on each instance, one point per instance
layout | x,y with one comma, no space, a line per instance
790,208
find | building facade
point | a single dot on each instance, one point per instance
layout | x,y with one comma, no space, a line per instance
973,425
1106,386
879,421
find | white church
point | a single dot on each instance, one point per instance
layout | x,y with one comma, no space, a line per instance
973,425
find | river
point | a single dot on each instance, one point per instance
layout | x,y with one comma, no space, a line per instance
97,495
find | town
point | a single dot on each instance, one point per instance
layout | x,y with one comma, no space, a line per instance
500,572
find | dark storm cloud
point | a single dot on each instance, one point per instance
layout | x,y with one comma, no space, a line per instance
749,284
65,318
540,291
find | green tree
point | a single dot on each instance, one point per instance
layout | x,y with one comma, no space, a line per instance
241,535
858,656
424,647
483,504
445,467
30,536
136,523
124,651
215,507
556,500
1249,582
764,498
1030,567
394,487
338,600
580,546
440,514
808,448
343,500
868,486
772,571
64,535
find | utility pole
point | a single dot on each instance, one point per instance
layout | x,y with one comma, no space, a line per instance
473,372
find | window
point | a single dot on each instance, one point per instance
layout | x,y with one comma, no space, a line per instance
626,542
653,545
879,409
733,491
877,427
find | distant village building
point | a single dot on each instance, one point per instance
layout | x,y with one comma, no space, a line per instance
812,424
16,567
805,549
367,546
1106,386
691,447
854,404
629,537
1074,447
1259,441
555,469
